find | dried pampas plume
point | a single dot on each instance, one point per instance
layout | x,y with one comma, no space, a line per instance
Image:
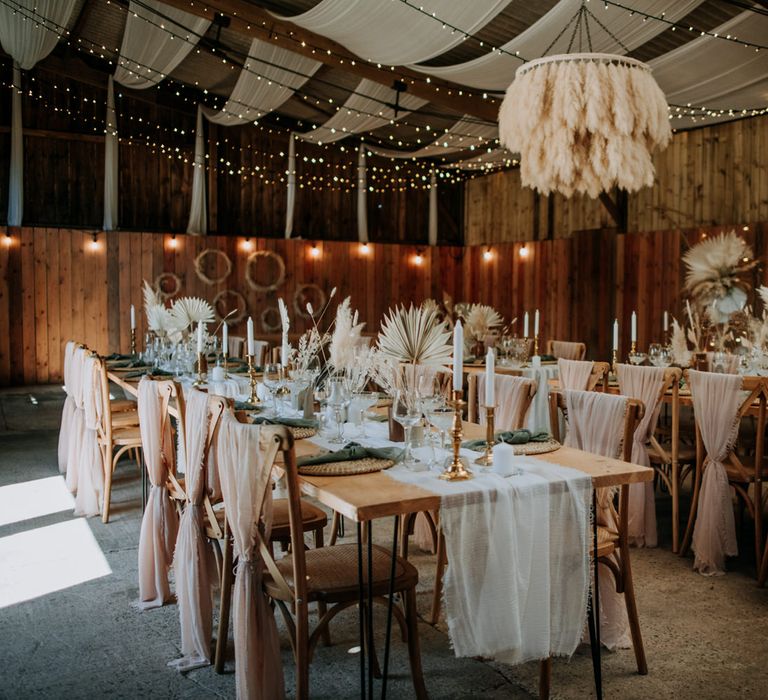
584,123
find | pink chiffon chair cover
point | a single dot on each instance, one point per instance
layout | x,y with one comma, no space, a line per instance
716,402
245,483
193,560
574,374
730,363
596,424
77,425
67,412
644,384
90,487
511,392
568,350
160,523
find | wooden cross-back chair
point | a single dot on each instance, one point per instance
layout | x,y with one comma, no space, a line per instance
519,412
612,546
743,472
327,576
566,349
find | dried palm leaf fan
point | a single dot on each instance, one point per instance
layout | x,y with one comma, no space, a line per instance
584,122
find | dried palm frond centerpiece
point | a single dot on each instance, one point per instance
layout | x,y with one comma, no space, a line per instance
480,320
584,122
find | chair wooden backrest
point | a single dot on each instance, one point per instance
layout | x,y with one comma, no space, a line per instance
566,349
517,413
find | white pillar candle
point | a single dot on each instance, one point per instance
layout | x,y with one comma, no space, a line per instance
536,323
458,356
633,328
200,344
616,334
525,325
490,378
251,344
133,317
666,321
225,338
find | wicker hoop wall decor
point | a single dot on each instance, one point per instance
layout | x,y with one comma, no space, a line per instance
162,279
304,294
200,265
240,305
270,320
261,286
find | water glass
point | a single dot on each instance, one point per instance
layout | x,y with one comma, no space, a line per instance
407,411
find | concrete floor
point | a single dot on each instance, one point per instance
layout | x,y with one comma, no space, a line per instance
704,637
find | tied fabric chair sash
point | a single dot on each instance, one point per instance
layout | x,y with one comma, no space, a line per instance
75,440
716,402
644,384
511,392
68,411
574,374
160,523
90,487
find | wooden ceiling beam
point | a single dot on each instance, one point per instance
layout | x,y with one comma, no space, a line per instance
256,22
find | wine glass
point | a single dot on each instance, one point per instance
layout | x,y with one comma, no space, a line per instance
338,400
361,402
272,378
406,410
441,418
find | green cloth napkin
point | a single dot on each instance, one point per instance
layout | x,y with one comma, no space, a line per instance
118,356
510,437
351,451
126,364
290,422
378,417
548,358
153,372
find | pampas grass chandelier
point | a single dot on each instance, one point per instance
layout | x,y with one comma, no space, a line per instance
584,122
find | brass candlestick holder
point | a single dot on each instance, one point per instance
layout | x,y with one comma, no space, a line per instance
458,469
224,358
486,460
535,344
200,379
133,341
253,397
614,360
633,347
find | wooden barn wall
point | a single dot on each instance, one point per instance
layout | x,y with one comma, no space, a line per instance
246,189
713,176
55,286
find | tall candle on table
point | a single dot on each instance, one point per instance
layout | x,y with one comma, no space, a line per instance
666,321
525,325
458,356
251,344
490,378
225,338
199,337
633,337
536,322
133,317
616,334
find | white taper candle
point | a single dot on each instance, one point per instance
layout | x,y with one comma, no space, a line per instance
133,317
525,325
200,344
225,338
490,378
536,323
458,356
633,328
616,334
251,344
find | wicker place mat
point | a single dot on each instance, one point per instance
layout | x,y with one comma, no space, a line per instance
353,466
537,448
303,433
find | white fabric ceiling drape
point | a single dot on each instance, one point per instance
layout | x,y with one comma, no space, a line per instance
270,77
362,193
29,30
432,228
111,147
395,33
366,109
290,175
156,39
495,71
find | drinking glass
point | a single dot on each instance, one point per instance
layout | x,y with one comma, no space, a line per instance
654,353
441,418
407,411
338,400
361,402
272,378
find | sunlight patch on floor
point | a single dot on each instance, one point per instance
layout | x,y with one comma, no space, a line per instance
32,499
48,559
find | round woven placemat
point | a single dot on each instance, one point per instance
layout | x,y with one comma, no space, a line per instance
537,448
353,466
300,433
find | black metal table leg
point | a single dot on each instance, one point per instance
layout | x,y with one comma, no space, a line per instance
361,597
594,609
369,609
388,637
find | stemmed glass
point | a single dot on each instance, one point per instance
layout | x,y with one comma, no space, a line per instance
338,400
659,355
361,402
272,378
406,410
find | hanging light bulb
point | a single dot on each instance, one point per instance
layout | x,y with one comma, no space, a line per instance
524,251
365,249
7,240
488,255
173,243
247,245
94,242
314,251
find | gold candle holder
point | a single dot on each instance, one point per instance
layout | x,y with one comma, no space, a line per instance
633,347
458,469
133,341
614,360
535,344
486,460
253,397
224,358
200,379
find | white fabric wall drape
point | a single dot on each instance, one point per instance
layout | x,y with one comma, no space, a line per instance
432,235
110,161
393,32
290,176
198,211
156,39
29,30
362,194
495,71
